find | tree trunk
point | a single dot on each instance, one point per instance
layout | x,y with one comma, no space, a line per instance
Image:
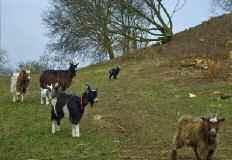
134,42
110,52
108,46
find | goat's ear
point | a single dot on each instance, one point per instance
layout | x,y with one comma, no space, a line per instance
204,119
50,86
88,86
221,120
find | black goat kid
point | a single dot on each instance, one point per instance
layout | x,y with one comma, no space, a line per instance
114,72
71,105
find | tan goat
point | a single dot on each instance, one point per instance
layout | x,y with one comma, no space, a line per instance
198,133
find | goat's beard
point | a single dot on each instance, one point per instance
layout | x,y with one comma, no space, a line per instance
92,103
212,139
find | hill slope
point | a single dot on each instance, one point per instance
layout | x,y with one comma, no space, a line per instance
209,38
134,119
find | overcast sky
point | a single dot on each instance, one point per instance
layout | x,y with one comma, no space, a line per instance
24,35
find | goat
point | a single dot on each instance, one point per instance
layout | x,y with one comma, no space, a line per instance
71,105
114,72
19,84
63,77
45,94
197,133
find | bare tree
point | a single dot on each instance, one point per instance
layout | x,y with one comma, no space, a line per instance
156,21
225,5
3,57
77,25
108,27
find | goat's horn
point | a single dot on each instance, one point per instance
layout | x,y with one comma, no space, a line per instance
87,84
56,84
207,113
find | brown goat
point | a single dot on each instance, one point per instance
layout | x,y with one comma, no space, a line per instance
198,133
62,77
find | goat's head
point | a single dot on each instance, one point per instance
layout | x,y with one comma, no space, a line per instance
91,95
24,79
118,68
50,90
211,126
73,68
28,72
25,75
54,89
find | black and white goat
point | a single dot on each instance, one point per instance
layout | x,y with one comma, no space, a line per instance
71,105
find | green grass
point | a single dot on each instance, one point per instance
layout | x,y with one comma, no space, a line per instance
138,115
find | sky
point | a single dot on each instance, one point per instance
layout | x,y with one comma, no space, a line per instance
24,34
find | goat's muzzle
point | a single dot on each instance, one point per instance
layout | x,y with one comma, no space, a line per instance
95,100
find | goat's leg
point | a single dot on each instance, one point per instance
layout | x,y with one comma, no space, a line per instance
177,144
17,96
22,97
210,155
47,100
203,154
174,151
54,123
110,76
41,97
41,100
55,126
58,125
196,153
75,130
174,154
14,98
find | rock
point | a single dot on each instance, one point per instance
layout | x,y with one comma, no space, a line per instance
228,44
191,95
202,40
97,117
230,54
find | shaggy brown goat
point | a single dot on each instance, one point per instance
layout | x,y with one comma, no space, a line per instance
198,133
62,77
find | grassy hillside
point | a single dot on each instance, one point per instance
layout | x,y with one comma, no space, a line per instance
135,117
